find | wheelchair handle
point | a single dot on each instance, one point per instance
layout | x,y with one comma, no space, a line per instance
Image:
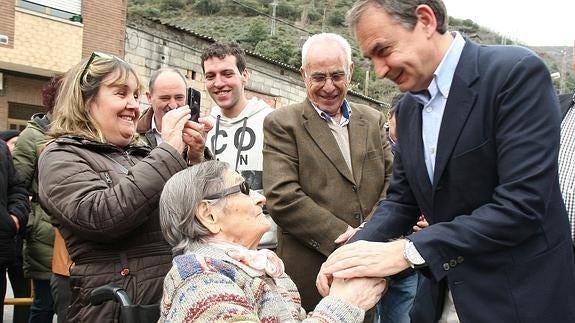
106,293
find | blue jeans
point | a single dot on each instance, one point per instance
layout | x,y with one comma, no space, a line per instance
42,309
395,305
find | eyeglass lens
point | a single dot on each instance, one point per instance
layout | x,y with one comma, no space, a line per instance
243,187
322,78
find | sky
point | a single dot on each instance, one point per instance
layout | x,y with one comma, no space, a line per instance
550,24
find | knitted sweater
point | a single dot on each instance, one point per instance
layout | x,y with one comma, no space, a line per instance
206,285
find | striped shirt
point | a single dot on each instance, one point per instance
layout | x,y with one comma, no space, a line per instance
567,165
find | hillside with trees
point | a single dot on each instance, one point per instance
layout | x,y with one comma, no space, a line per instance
251,23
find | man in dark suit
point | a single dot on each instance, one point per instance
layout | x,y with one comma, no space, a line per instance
326,163
479,133
566,102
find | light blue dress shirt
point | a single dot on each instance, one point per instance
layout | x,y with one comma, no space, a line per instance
345,114
434,101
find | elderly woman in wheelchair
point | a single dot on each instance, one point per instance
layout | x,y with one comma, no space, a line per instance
213,221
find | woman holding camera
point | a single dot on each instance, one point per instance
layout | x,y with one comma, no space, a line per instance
102,185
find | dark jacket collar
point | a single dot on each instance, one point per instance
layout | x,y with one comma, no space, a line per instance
145,121
566,101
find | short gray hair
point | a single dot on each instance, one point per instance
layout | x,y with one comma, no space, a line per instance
402,10
180,199
159,72
342,42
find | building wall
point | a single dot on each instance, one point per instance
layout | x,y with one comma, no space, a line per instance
42,46
42,43
21,90
24,90
104,26
7,9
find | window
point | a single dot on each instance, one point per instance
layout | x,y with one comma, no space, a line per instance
65,9
19,114
19,125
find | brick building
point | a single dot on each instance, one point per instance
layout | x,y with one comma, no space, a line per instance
46,37
40,38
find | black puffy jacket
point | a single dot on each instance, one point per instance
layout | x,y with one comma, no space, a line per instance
14,201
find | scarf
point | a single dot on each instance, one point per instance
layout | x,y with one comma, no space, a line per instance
264,261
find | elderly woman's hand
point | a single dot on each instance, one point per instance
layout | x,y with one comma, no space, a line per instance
173,123
194,136
361,292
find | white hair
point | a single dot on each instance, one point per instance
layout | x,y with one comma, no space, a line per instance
342,42
180,198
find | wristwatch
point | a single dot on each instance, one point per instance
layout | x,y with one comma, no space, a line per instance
412,256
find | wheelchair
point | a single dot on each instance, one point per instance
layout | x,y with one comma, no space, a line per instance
129,312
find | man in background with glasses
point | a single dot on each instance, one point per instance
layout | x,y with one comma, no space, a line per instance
327,162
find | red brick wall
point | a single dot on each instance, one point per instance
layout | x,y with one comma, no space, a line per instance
104,26
7,14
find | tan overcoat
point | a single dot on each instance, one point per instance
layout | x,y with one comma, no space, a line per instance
311,192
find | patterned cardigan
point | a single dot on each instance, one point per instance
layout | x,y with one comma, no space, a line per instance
206,285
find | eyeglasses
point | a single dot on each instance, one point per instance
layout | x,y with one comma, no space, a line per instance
320,79
91,59
243,187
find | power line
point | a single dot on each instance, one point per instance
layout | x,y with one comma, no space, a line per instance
284,22
270,16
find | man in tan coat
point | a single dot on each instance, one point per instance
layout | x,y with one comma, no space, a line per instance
327,162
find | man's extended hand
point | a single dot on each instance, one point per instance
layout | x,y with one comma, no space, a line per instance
362,259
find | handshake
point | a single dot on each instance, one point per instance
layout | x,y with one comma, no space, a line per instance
357,271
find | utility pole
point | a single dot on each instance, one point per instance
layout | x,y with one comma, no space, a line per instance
563,71
274,5
323,20
366,84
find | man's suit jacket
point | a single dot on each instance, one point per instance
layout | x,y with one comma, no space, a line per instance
311,193
499,235
566,103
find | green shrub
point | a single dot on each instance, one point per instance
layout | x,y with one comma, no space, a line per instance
337,18
207,7
257,32
287,11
